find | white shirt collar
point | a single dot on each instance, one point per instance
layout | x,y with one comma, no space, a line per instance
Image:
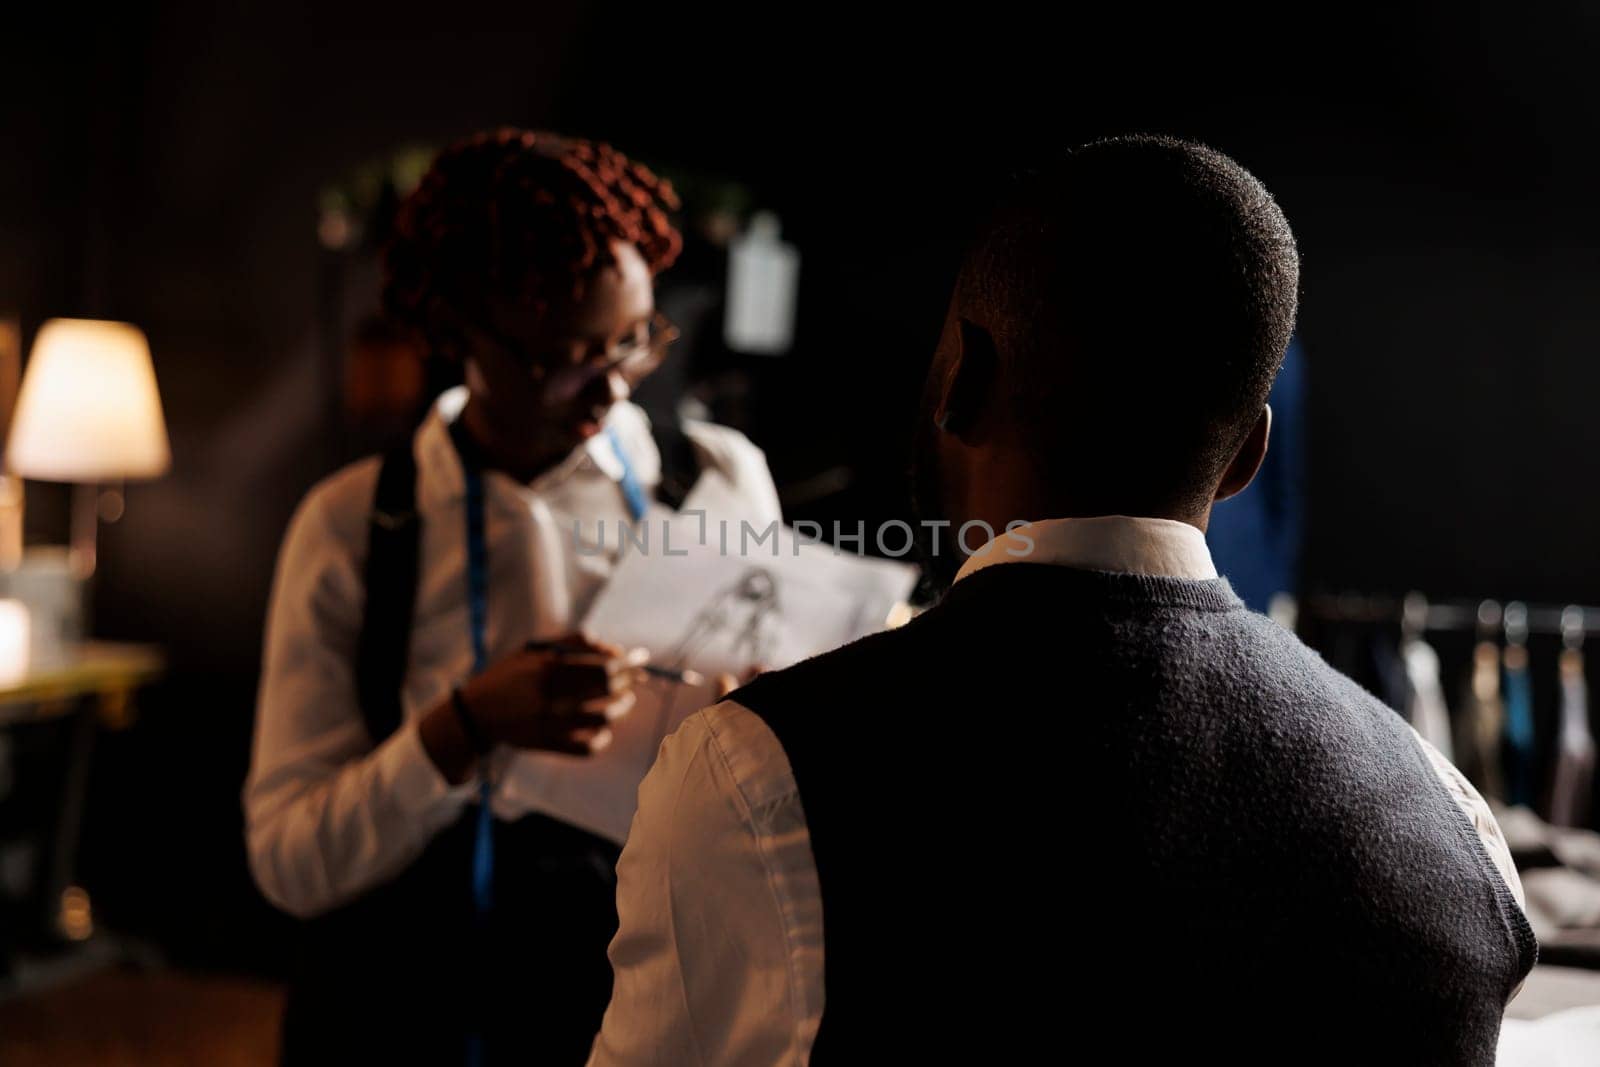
441,466
1162,548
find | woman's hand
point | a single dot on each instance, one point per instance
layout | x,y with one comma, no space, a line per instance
555,699
727,683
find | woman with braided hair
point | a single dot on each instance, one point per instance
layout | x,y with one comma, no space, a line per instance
443,770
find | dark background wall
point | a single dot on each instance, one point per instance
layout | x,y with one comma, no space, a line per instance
162,164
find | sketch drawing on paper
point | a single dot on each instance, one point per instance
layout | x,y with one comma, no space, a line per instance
741,621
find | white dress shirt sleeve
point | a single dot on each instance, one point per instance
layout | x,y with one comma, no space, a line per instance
1478,813
718,958
327,816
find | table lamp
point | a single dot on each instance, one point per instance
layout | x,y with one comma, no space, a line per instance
88,412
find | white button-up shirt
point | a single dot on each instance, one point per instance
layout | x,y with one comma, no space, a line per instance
719,958
328,816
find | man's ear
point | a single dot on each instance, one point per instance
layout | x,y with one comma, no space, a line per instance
972,380
1247,461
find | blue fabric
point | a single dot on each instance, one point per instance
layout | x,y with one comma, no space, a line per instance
478,616
478,613
632,491
1518,736
1255,537
478,608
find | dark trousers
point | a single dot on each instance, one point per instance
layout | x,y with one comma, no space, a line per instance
410,974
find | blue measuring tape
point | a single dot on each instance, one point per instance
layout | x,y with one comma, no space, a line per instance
478,622
478,619
478,607
632,491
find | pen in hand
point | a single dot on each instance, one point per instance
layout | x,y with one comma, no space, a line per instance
637,658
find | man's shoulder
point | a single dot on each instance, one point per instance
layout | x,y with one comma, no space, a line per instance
857,667
1281,660
744,745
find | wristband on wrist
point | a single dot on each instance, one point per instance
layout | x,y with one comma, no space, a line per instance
469,726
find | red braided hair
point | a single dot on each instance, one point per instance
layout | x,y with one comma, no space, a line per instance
519,215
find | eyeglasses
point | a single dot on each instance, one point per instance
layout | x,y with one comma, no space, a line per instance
632,359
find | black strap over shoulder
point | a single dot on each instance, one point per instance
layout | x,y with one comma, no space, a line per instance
394,547
680,465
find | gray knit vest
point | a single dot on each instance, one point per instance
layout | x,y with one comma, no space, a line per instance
1072,816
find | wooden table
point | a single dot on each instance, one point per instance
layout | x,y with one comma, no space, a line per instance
65,703
105,671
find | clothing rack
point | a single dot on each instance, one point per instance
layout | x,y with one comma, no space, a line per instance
1515,619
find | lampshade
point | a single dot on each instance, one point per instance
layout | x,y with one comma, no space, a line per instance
88,410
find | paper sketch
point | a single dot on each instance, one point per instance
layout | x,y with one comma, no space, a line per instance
727,604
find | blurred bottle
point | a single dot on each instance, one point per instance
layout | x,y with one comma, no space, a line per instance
763,279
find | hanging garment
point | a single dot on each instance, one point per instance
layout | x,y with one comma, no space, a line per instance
1391,682
1426,708
1572,789
1477,727
1518,727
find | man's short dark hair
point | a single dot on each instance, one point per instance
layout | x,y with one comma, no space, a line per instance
1141,292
